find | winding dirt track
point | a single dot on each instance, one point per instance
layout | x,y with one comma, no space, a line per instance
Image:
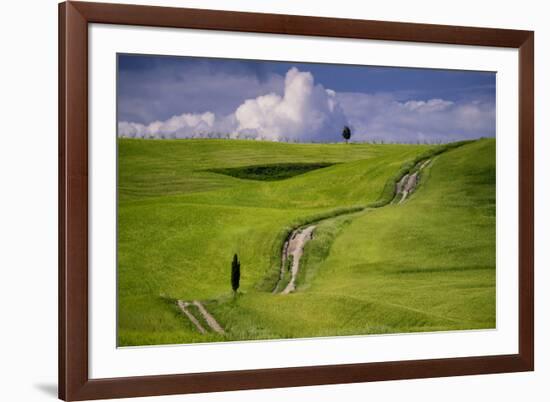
408,183
294,245
209,318
183,307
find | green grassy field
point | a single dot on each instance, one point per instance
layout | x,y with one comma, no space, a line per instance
186,206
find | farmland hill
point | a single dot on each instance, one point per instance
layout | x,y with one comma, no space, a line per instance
370,265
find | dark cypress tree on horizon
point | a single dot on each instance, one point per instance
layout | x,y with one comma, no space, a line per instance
346,133
235,273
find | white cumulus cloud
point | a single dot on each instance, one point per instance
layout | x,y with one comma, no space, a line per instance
381,117
184,125
432,105
305,112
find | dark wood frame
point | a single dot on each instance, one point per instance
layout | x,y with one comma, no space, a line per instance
74,383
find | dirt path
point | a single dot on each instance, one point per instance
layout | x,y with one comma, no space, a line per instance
294,247
408,186
183,307
209,319
408,183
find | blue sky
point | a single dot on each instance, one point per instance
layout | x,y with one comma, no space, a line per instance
165,96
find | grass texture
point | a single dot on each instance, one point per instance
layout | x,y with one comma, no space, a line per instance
425,265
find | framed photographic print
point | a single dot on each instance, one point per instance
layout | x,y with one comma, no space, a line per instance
258,200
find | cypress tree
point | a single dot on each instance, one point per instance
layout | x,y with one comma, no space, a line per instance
235,273
346,133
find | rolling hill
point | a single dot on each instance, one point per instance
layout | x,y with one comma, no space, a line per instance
186,206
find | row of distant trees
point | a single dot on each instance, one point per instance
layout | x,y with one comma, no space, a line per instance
346,135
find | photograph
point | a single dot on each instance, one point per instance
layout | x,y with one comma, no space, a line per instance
263,200
275,201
